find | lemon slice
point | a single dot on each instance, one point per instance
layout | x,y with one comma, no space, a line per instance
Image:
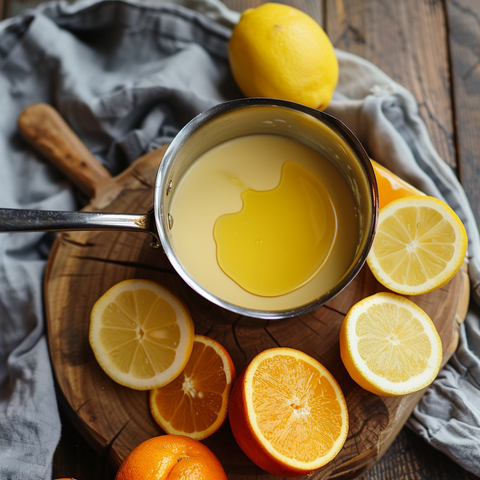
141,334
389,345
419,246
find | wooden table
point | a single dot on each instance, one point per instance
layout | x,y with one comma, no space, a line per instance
432,47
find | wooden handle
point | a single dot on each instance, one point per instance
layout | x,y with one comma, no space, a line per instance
46,130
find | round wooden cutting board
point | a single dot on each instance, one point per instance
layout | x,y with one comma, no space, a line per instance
84,265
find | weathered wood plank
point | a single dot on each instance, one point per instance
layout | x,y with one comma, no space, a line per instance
408,41
464,23
409,457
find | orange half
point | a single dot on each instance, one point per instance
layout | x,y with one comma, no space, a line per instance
287,413
195,403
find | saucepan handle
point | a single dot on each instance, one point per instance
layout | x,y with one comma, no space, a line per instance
17,220
47,131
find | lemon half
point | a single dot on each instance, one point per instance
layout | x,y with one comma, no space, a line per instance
389,345
141,334
420,244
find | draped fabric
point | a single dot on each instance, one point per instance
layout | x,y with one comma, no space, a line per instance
126,77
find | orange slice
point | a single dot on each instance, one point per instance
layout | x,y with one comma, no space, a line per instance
141,334
389,345
287,413
390,186
195,403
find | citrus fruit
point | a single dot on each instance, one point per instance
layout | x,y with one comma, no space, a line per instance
141,334
390,186
278,51
419,245
195,403
389,345
172,457
288,413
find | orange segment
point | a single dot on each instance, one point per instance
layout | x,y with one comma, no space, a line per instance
195,403
288,413
390,186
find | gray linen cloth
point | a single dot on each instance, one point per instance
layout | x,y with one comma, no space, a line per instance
127,77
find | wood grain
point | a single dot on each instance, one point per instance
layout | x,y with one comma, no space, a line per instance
464,22
43,127
408,41
409,457
84,265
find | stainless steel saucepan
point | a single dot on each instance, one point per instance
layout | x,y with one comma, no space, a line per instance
221,123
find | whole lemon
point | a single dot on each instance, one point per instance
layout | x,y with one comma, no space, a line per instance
278,51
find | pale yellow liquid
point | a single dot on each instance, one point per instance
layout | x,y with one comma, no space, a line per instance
251,167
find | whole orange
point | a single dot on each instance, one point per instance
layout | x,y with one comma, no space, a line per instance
172,457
